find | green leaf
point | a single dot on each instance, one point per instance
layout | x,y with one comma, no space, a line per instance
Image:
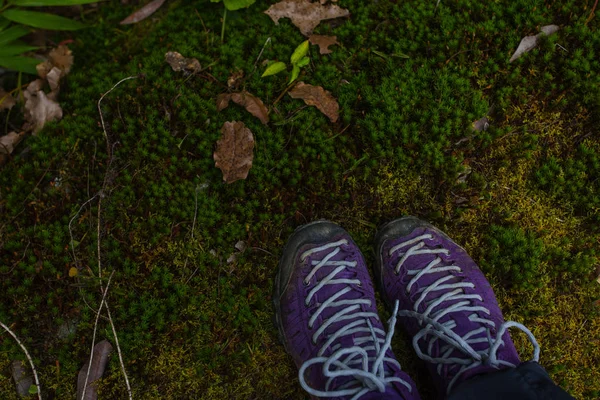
233,5
12,33
42,20
300,52
20,64
13,50
274,68
42,3
3,23
32,389
303,62
295,73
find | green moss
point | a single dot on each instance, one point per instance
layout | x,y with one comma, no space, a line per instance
189,323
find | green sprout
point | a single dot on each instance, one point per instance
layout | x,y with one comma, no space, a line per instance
232,5
298,60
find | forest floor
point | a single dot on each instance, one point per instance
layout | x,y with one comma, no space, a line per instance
411,77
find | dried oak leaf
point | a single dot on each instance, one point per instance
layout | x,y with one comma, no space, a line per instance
318,97
251,103
61,58
529,43
143,12
481,124
100,356
305,14
234,152
39,109
22,378
6,100
9,141
324,42
180,63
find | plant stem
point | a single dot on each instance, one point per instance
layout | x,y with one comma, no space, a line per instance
223,26
284,92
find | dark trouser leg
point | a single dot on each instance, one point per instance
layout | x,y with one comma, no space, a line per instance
529,381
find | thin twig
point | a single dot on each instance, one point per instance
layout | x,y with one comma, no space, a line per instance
87,376
261,52
100,111
102,194
195,213
112,325
71,231
592,13
284,92
35,375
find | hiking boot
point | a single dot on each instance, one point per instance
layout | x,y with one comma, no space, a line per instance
446,304
327,319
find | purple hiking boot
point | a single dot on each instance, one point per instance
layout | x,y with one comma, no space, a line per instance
446,304
327,319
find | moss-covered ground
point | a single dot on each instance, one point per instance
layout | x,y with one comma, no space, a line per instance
523,197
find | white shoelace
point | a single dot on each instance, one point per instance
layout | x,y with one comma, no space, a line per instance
434,330
368,372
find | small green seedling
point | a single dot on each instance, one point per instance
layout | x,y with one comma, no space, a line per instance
232,5
298,60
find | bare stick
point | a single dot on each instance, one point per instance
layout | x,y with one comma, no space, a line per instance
261,52
35,375
100,111
112,325
71,231
102,194
87,376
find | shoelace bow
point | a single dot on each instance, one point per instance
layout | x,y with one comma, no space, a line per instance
368,372
434,330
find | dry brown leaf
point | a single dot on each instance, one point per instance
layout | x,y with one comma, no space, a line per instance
305,14
6,100
143,12
39,109
481,124
100,353
180,63
62,58
324,42
529,43
234,152
53,78
10,141
318,97
251,103
22,378
235,79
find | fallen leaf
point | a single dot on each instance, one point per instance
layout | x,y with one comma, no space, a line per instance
318,97
180,63
235,79
529,43
39,109
234,152
9,141
22,378
6,100
251,103
143,12
324,42
73,272
61,58
100,353
53,78
305,14
240,246
481,124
